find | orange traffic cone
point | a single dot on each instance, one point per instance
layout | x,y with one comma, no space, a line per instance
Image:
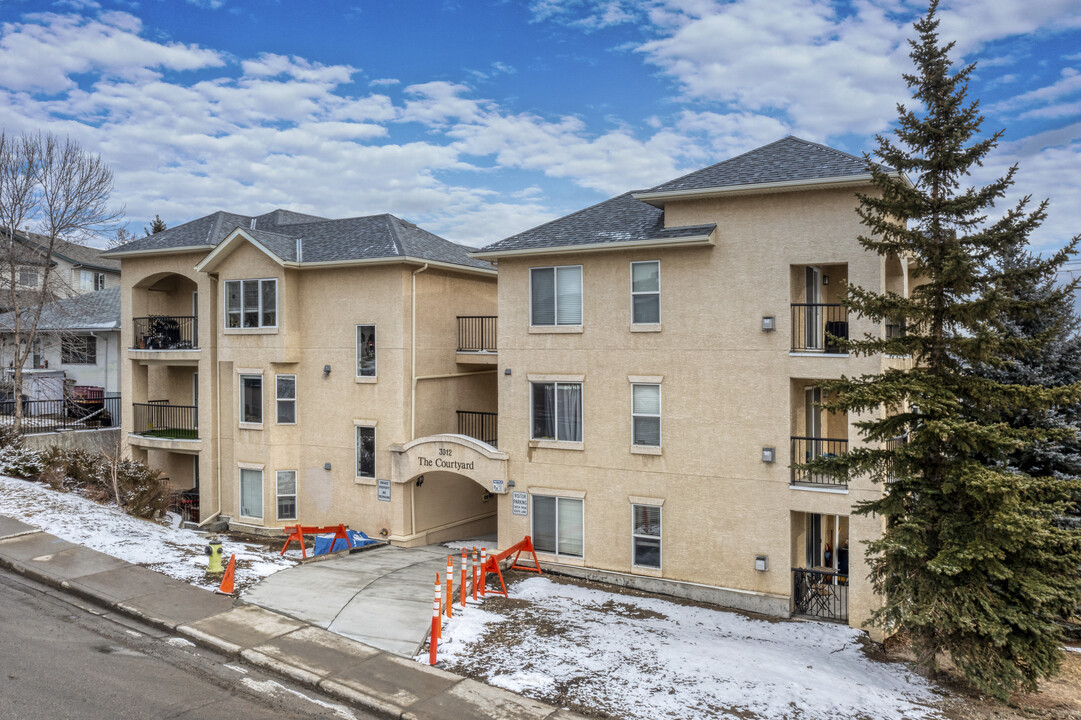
226,587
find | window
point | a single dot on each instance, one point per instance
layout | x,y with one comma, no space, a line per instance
286,394
365,451
251,303
91,281
28,277
646,535
251,399
646,292
251,493
558,525
557,411
556,295
287,494
79,350
365,350
646,415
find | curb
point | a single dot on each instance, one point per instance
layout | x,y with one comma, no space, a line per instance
330,686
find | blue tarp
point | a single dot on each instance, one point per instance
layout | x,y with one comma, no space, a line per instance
359,539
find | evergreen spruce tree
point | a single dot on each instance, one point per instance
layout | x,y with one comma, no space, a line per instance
155,227
971,564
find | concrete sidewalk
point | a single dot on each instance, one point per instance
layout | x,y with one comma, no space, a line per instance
349,670
381,597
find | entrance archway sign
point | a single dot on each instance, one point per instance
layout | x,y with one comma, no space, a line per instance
460,454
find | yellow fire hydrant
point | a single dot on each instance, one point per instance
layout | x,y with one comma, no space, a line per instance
213,550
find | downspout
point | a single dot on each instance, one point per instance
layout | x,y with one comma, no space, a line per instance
217,405
413,390
413,349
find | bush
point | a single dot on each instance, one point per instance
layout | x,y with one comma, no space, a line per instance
20,462
143,491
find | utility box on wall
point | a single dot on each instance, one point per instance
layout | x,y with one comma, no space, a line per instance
761,563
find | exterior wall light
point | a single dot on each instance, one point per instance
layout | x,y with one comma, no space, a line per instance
326,369
769,323
326,466
769,455
507,371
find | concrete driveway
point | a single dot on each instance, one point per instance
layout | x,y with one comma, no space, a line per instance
381,597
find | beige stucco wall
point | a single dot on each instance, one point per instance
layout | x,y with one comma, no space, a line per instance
728,390
318,311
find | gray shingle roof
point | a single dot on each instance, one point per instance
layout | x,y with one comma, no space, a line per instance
785,160
621,219
91,311
80,255
625,219
323,240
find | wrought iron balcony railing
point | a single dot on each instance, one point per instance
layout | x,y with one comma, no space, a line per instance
165,332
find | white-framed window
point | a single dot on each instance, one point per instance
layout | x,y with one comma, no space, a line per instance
251,303
287,494
365,350
91,280
29,277
646,292
555,295
285,393
646,536
558,525
646,414
251,493
365,451
556,411
251,399
79,350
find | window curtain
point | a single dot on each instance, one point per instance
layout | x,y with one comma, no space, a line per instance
646,401
570,541
569,402
544,411
544,523
251,493
251,303
569,296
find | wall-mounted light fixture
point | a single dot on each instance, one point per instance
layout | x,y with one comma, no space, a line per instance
825,279
769,455
507,371
761,563
769,323
420,481
326,466
510,484
326,369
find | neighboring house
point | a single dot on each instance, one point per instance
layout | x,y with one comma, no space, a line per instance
281,360
78,340
76,269
660,360
1070,272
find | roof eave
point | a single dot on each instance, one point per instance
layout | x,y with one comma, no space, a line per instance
645,244
658,199
393,259
121,254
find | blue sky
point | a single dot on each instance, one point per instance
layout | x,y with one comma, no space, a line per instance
481,119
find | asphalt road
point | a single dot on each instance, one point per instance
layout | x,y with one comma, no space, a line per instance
60,658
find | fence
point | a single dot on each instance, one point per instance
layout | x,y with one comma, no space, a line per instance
806,449
41,416
479,425
820,593
476,333
161,420
165,332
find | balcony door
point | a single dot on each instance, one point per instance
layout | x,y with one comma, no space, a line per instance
813,316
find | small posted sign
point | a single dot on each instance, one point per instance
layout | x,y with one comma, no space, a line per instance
383,490
498,485
519,503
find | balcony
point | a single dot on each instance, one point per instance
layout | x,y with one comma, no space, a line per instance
806,449
820,594
75,412
816,327
478,425
158,419
165,332
477,339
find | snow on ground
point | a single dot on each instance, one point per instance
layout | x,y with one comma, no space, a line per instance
175,552
483,541
639,658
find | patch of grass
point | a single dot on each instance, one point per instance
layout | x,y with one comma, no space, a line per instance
171,434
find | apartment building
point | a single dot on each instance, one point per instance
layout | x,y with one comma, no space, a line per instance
286,367
76,269
660,360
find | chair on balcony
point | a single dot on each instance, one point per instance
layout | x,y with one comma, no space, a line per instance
836,329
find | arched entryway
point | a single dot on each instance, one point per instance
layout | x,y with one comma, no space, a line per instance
449,483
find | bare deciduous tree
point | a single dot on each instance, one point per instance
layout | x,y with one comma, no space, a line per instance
53,185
